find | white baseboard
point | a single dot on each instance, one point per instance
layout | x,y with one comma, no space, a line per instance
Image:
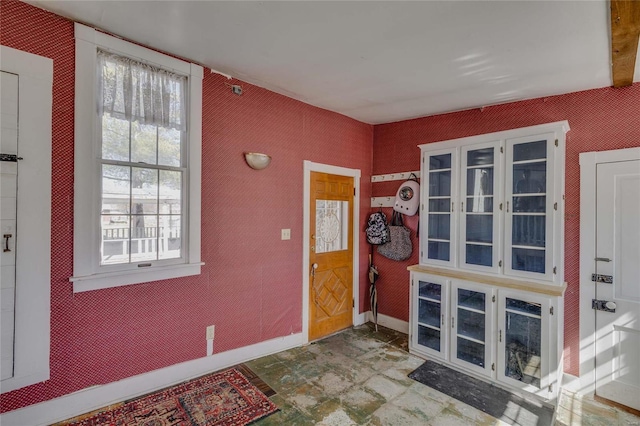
391,322
573,384
361,318
93,398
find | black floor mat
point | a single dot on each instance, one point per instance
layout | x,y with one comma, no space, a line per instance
491,399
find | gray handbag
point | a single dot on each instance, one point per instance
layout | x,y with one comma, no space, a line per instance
400,247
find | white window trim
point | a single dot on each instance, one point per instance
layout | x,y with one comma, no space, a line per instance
33,250
86,273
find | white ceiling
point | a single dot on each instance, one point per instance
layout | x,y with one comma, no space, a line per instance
377,61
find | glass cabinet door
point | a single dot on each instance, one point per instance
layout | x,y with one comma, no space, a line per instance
430,313
479,222
523,341
471,325
529,208
439,205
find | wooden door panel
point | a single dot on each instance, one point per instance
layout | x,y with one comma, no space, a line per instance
331,282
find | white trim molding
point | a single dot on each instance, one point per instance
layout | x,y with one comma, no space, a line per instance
390,322
96,397
588,203
309,167
33,248
87,274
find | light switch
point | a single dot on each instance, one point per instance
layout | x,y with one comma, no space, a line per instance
286,234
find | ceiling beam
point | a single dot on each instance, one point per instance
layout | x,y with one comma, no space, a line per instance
625,32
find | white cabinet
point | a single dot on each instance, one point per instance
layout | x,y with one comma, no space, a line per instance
489,327
472,326
524,341
439,197
493,203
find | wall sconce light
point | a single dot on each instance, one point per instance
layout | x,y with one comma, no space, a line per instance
256,160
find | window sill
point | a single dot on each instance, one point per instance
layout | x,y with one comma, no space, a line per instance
117,279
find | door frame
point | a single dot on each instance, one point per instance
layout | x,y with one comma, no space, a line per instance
588,203
309,167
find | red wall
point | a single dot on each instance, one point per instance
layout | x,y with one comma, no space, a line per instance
251,285
600,119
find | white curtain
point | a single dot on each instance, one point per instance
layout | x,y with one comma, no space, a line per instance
134,91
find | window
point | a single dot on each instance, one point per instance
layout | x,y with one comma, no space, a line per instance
137,164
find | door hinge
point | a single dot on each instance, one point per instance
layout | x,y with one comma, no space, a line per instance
500,336
501,150
603,305
500,207
354,191
10,158
551,387
555,206
493,366
551,310
353,303
411,283
500,263
555,270
493,299
599,278
556,142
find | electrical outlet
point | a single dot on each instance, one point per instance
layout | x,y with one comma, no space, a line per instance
286,234
211,330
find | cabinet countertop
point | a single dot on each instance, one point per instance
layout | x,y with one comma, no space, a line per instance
498,281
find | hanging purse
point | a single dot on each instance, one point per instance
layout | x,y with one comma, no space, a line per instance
400,247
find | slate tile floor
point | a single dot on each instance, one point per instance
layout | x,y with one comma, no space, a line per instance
359,377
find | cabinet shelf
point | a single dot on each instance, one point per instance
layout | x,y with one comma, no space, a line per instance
471,339
433,327
466,308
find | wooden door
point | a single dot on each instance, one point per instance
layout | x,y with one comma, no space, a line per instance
618,282
330,254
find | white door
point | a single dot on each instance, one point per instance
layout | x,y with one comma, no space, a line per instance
8,198
618,281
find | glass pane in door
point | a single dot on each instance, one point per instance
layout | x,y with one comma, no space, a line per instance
430,290
471,326
331,234
529,207
523,338
530,180
471,352
439,203
529,260
429,337
530,151
478,213
429,314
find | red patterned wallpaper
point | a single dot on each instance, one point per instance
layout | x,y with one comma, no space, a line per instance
600,120
251,286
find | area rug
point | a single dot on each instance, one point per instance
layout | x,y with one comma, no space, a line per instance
495,401
220,399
